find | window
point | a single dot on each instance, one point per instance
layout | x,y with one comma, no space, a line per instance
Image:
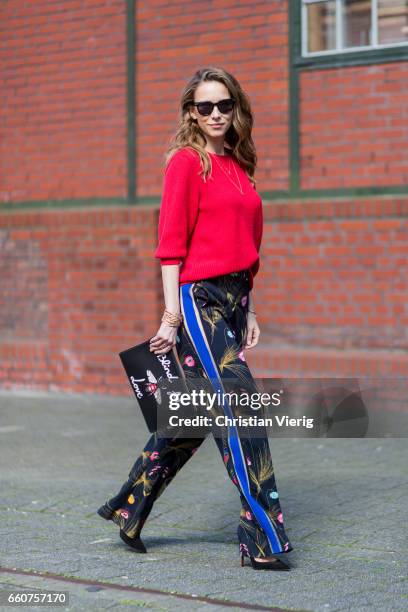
330,26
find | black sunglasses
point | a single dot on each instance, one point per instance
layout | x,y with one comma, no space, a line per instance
206,108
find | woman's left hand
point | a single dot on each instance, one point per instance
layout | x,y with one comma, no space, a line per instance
253,331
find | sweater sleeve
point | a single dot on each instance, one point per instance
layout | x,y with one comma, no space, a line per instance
179,207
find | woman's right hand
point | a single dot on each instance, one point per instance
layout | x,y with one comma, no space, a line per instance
164,340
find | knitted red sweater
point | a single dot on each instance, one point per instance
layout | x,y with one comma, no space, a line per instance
210,228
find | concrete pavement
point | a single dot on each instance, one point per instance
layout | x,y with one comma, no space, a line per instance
62,455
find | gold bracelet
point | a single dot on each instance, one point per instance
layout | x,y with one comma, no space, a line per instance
170,316
171,319
170,322
253,311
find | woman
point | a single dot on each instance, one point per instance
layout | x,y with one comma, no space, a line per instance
210,231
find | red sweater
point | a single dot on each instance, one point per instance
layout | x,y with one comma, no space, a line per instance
209,228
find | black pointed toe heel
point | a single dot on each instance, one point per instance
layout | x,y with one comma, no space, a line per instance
105,512
276,564
135,543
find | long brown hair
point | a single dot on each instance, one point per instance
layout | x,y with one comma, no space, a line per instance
238,137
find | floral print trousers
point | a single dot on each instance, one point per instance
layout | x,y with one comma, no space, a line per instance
209,346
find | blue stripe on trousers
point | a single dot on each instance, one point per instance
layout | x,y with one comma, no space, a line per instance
194,328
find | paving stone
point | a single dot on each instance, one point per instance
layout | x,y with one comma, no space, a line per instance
344,501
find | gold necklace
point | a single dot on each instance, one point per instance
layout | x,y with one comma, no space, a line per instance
229,172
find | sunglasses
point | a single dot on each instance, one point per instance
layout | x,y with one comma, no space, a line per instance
206,108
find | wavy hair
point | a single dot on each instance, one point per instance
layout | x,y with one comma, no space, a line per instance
238,139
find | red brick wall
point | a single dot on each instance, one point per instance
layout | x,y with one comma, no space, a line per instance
174,39
63,99
79,285
332,293
354,126
63,80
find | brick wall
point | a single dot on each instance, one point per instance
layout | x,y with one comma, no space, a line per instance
333,289
63,99
354,126
80,284
248,39
77,287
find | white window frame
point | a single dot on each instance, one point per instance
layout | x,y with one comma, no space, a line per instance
339,32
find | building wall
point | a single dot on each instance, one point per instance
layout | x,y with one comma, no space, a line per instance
249,39
358,134
63,82
78,286
79,280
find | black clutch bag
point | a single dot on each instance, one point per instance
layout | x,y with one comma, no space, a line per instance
152,378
